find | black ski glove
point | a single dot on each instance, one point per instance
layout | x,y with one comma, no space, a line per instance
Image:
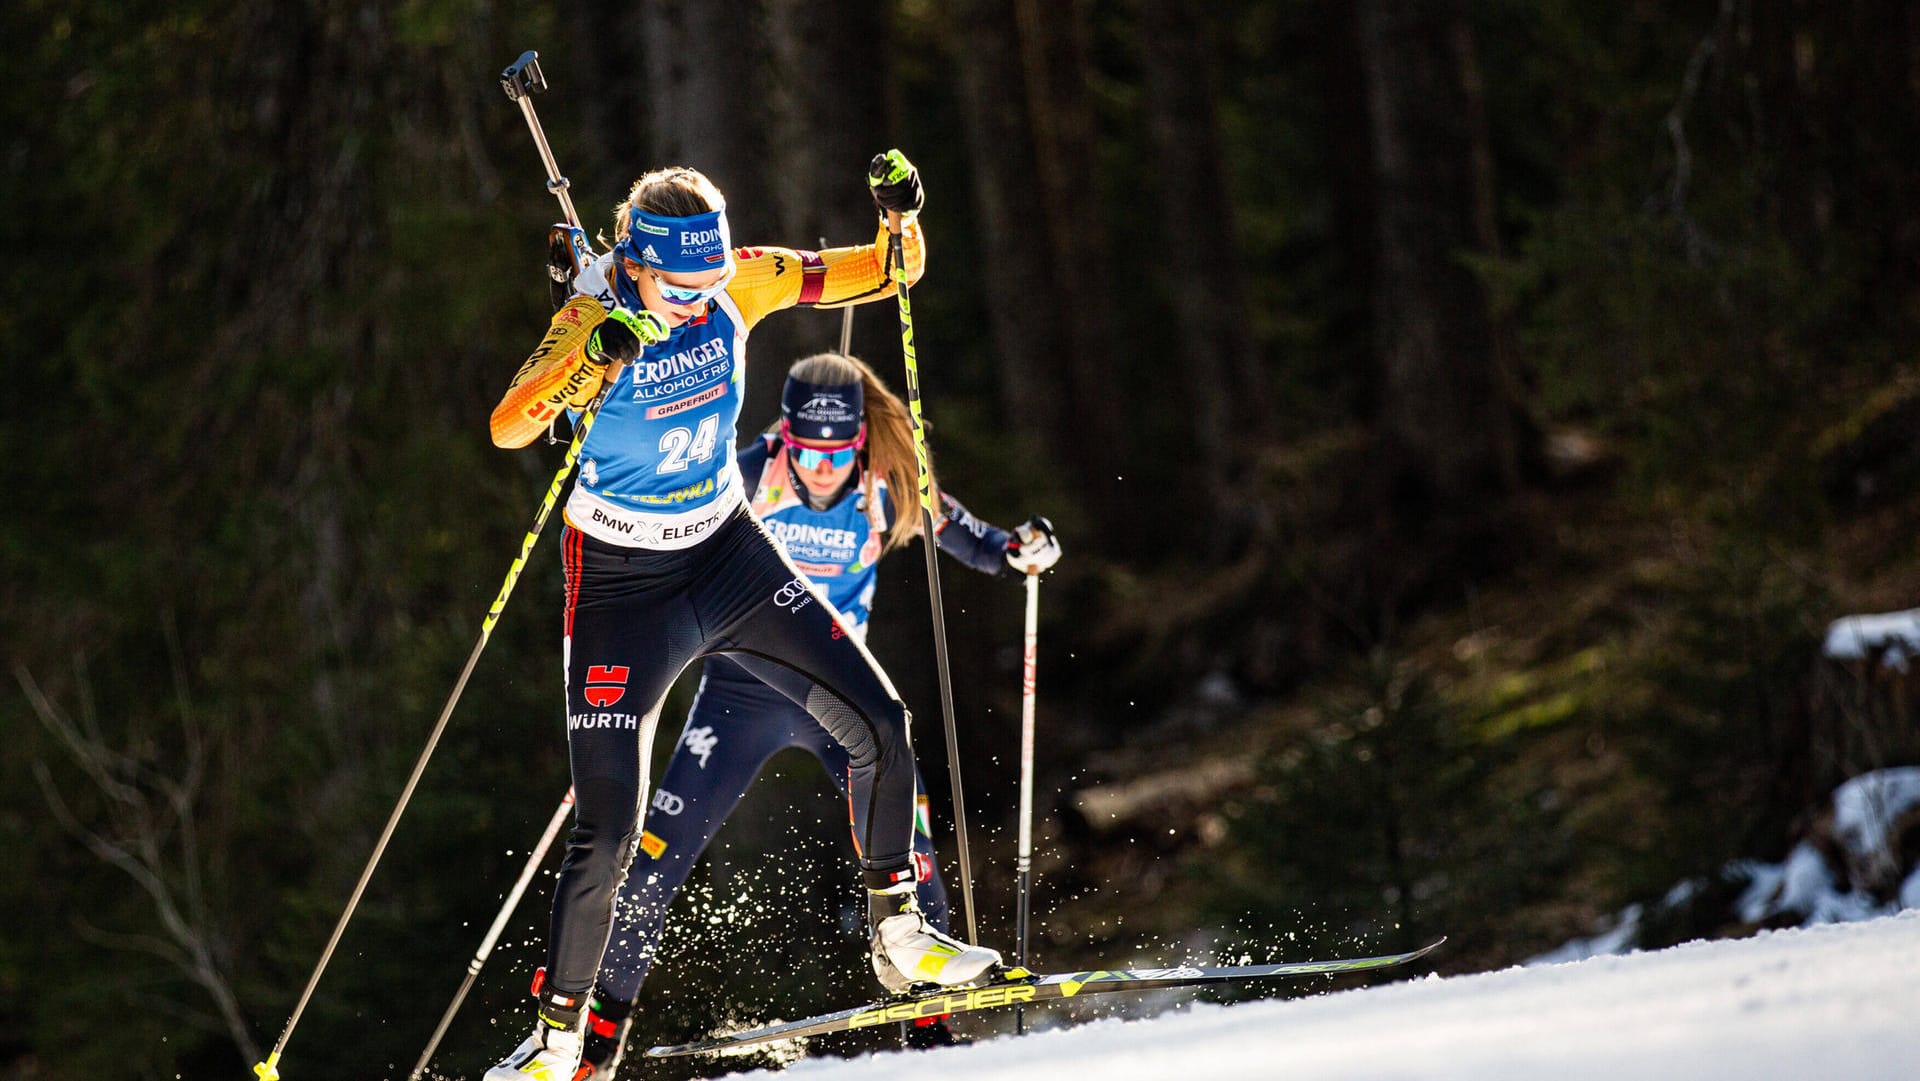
619,337
896,184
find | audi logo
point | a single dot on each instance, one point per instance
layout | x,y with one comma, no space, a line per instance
793,596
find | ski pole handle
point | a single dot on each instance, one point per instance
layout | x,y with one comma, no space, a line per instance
885,170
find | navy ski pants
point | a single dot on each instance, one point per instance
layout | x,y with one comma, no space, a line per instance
634,619
737,723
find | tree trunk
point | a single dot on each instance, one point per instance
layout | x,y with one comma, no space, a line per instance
1199,268
1024,70
1080,289
993,111
1833,101
704,68
1448,398
708,73
828,117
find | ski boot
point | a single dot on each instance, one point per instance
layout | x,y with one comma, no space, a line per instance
608,1023
552,1053
907,950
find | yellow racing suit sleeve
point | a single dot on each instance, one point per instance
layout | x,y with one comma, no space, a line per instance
769,279
558,376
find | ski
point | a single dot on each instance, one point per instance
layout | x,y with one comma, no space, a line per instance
1019,987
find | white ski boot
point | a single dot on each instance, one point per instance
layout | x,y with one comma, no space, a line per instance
552,1053
908,950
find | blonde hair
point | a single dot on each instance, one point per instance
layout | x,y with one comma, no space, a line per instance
889,450
677,191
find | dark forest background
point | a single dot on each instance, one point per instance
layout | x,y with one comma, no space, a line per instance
1461,421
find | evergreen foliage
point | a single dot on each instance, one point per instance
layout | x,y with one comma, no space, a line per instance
269,266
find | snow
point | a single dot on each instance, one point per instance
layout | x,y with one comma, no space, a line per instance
1864,880
1856,638
1623,936
1865,808
1832,1002
1804,885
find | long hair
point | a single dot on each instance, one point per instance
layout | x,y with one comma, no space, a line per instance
889,450
674,192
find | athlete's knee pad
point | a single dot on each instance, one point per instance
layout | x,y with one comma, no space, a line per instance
879,734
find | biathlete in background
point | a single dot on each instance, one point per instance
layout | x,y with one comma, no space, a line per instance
664,565
824,486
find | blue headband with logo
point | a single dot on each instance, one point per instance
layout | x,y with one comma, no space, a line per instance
694,244
822,410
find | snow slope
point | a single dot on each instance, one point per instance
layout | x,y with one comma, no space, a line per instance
1832,1003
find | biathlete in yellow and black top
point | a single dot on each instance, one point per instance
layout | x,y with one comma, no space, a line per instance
822,482
664,565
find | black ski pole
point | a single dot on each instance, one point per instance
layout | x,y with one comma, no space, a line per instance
892,168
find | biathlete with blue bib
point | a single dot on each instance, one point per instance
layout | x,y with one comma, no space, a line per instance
823,485
664,565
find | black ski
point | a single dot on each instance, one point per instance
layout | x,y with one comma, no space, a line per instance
1018,987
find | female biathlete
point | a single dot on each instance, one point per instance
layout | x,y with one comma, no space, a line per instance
823,486
664,564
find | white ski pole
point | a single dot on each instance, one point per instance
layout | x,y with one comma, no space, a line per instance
534,860
1028,672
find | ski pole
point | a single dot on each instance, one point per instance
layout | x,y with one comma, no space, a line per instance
268,1070
520,79
534,859
892,168
1024,865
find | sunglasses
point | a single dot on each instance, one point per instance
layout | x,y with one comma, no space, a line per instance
685,295
838,457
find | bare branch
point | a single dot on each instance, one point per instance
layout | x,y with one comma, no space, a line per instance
117,940
87,750
187,789
1676,128
138,842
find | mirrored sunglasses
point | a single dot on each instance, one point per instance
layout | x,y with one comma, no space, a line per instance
684,295
810,457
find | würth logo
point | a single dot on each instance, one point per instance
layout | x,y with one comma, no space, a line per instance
605,684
